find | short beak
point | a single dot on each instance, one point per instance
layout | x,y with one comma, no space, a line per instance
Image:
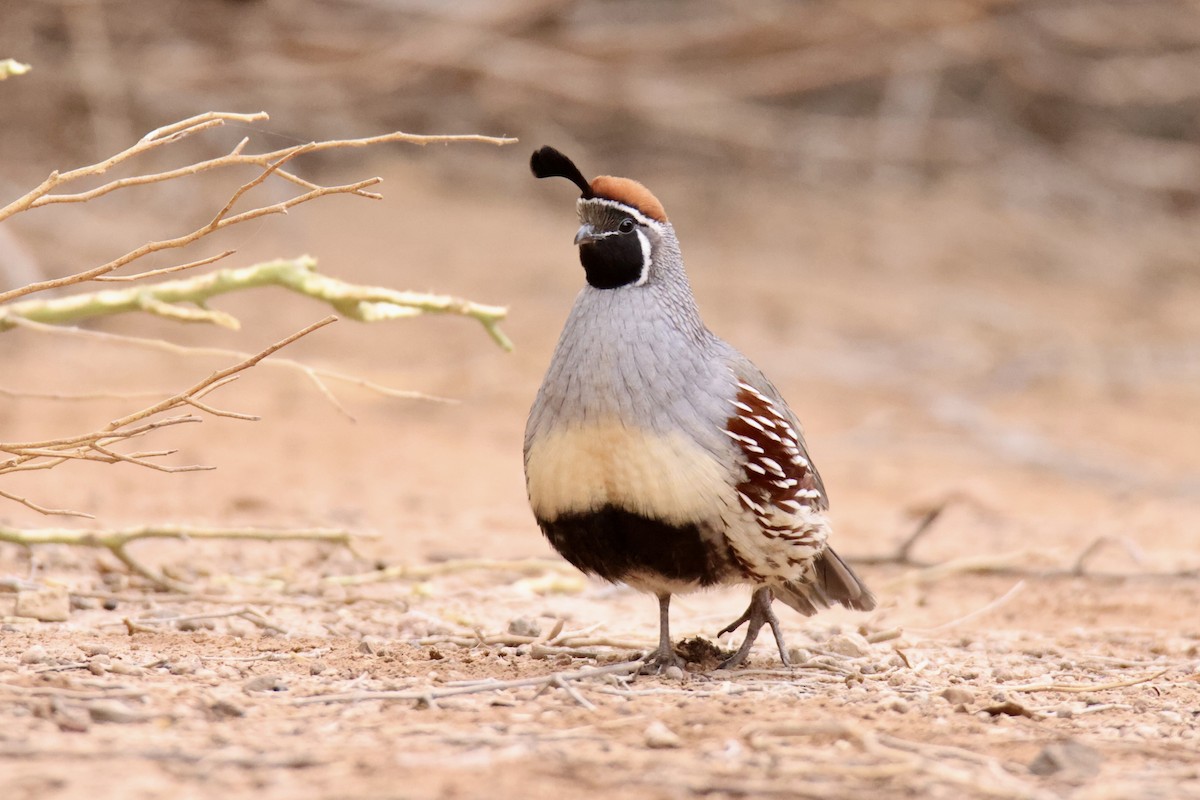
586,234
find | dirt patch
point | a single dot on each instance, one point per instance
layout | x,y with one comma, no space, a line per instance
941,349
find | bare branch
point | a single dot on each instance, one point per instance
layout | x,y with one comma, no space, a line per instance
10,67
96,445
154,273
268,163
558,679
184,299
63,512
177,349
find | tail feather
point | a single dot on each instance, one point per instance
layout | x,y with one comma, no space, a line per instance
830,581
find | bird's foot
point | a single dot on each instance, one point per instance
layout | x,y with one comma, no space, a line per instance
757,614
661,660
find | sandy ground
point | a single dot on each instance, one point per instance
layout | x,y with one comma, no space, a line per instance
1035,372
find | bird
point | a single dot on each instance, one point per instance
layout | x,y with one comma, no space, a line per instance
656,454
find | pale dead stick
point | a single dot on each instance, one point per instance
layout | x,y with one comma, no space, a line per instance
1085,687
555,679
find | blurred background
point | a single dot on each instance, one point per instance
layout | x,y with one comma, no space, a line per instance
961,236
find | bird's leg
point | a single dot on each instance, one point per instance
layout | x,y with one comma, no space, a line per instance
757,614
664,656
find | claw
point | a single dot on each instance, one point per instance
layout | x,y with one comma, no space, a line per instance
757,614
737,623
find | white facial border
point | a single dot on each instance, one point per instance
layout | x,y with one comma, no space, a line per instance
641,219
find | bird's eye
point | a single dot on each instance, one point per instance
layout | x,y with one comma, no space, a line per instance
626,225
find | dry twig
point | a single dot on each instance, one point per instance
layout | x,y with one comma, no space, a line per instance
431,695
247,613
185,300
117,542
1075,688
270,163
10,67
420,572
314,374
96,445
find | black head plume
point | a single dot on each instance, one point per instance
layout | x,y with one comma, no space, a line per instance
546,162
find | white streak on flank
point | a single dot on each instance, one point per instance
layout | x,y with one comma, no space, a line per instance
751,465
753,505
751,421
645,242
767,422
740,406
583,468
773,465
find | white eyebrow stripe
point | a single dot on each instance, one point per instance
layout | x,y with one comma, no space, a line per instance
630,210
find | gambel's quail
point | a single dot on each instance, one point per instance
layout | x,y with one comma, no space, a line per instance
657,455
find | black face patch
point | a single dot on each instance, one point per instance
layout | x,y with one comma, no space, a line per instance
613,260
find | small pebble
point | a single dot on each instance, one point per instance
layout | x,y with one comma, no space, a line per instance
1172,717
659,736
798,655
1069,757
35,655
185,666
226,708
523,626
121,668
673,673
371,645
958,695
189,625
94,649
70,718
51,604
112,711
849,644
265,683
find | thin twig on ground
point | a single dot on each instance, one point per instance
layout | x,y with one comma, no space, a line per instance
251,615
419,572
117,542
434,694
979,612
1075,688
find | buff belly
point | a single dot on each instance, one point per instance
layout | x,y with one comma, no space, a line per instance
631,506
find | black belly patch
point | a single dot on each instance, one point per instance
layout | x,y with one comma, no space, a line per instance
612,543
